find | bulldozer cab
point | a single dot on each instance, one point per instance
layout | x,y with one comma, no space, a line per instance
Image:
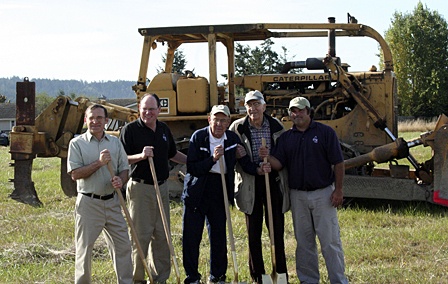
189,98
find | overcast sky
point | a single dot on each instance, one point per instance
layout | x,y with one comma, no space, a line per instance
97,40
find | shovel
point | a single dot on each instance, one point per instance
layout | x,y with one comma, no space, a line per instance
131,225
274,277
164,220
229,222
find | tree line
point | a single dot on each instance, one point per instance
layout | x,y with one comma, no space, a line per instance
54,87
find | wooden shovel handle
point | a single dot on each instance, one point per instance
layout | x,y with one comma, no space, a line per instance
229,220
269,207
131,225
164,218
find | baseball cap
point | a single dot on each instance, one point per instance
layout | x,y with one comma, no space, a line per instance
299,102
254,95
220,108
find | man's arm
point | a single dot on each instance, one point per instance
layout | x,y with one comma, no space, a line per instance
146,152
88,170
275,163
179,158
337,197
124,176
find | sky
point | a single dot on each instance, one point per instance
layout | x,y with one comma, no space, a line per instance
98,40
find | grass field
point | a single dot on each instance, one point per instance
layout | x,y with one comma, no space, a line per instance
384,242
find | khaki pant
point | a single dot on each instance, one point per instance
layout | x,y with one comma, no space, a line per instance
145,213
94,216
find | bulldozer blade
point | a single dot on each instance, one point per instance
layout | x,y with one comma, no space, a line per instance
441,163
68,185
24,190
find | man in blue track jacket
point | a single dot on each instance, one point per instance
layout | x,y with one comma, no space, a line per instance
203,193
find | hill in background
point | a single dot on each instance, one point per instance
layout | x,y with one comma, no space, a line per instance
53,87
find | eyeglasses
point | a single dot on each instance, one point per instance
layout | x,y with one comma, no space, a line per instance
220,121
151,109
253,104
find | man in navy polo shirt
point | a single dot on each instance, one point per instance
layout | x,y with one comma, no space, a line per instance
312,155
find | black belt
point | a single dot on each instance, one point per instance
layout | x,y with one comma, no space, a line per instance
102,197
308,188
139,180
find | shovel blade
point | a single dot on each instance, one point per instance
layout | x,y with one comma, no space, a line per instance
267,279
274,279
281,279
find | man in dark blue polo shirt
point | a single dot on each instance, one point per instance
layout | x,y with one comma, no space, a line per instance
312,155
143,138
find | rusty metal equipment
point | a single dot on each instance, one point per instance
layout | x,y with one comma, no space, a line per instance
47,135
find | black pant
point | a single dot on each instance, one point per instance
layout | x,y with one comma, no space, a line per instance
211,211
254,223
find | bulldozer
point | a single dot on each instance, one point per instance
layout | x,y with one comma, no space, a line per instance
361,106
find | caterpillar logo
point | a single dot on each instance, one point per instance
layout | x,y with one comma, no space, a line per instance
302,77
164,105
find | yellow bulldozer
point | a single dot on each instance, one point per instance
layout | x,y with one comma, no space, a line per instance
360,106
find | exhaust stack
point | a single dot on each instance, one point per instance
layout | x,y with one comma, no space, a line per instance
332,38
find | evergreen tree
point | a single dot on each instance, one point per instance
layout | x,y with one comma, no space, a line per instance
179,63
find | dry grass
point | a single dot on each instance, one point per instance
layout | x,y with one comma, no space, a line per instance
416,125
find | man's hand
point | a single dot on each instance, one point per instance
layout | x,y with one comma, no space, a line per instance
264,168
117,182
104,157
263,152
337,198
147,152
218,152
240,151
